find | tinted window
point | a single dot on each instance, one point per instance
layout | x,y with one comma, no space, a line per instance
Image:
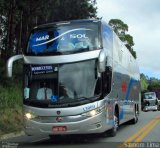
64,39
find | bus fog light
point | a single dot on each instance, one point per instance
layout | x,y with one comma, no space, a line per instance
29,116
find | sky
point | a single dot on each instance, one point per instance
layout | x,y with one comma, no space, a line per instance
143,20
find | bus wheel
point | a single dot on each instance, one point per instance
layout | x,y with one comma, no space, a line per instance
113,131
135,119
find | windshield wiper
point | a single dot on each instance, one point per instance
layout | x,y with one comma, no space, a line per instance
73,102
81,50
91,99
43,53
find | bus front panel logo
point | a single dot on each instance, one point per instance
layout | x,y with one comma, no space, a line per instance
58,112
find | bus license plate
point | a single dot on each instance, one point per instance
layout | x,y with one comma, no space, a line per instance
59,128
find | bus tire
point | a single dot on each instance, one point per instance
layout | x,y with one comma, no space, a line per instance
135,119
113,131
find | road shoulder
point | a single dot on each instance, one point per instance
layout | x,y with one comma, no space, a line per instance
12,135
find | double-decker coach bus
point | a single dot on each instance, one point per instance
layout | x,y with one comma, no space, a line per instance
79,78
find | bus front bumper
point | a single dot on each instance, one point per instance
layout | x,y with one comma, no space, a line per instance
150,108
96,124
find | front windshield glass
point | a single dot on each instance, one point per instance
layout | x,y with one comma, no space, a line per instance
77,80
150,96
64,39
49,85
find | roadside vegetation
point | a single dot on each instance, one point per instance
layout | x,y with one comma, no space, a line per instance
149,84
11,116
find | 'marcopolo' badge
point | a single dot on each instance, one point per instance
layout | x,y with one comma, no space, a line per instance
59,119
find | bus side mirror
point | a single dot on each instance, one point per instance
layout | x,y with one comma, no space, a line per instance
102,61
10,64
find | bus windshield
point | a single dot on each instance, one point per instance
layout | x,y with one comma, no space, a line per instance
63,39
67,83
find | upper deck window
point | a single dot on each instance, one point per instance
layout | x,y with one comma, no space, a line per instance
64,39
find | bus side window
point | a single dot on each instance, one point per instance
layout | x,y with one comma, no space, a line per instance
106,80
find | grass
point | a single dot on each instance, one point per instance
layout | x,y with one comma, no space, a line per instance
10,96
11,116
11,120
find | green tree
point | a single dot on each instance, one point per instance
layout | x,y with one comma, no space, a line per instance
153,84
149,83
144,82
121,29
72,9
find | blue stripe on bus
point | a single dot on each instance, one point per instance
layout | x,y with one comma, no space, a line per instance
132,81
128,90
121,114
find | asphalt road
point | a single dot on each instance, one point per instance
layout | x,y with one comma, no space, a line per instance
144,134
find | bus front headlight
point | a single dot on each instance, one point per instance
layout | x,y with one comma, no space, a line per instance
93,112
29,115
